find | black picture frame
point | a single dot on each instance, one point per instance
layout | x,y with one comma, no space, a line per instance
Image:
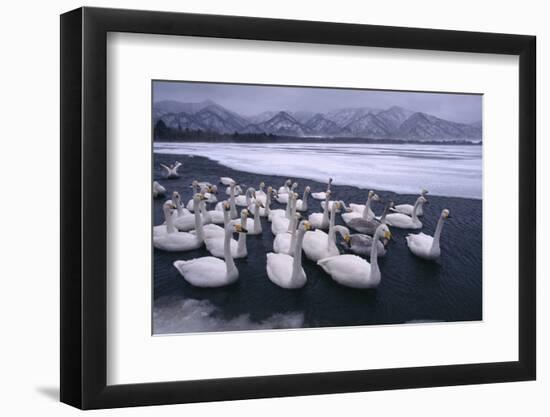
84,207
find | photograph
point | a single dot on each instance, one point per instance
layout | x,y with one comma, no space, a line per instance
303,207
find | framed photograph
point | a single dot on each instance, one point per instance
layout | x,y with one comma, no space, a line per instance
259,208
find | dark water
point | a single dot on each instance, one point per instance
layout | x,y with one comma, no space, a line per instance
411,289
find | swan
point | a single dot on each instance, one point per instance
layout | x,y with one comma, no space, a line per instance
283,197
227,180
210,194
323,194
236,191
196,189
254,226
354,271
211,216
279,224
247,199
280,212
209,271
362,244
266,209
213,230
408,208
180,210
285,189
233,207
402,221
284,270
301,205
321,220
363,210
425,246
215,245
186,222
362,225
261,194
158,190
318,244
173,240
172,170
285,242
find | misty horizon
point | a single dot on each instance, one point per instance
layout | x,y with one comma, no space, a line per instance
252,100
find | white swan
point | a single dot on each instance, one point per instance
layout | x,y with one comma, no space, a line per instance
158,190
301,205
425,246
280,212
233,207
279,224
210,194
266,209
247,199
186,222
226,180
215,245
236,191
331,202
323,194
211,216
213,230
283,197
408,208
318,244
321,220
284,270
285,242
261,194
172,170
173,240
352,270
285,189
254,226
196,189
209,271
362,210
402,221
180,210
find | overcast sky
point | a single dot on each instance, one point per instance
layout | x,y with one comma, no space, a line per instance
254,99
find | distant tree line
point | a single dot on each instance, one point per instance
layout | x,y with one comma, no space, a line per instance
163,133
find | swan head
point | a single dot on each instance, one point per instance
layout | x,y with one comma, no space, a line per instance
294,186
259,204
213,189
422,200
262,185
198,197
307,189
423,192
347,238
288,182
330,180
445,214
383,232
226,206
168,208
238,228
305,225
244,213
176,197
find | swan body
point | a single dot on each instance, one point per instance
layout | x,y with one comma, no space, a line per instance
361,210
285,242
284,270
254,226
354,271
287,212
323,194
187,222
368,226
425,246
361,244
285,189
330,203
210,271
172,170
265,209
402,221
158,190
321,220
261,194
174,240
216,245
318,244
227,180
280,224
237,191
283,197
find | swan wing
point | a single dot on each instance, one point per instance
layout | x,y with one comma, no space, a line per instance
281,243
315,246
279,270
177,241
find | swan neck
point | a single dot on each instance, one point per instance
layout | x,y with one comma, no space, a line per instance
331,228
297,261
169,223
242,236
437,234
415,209
229,262
198,222
366,210
374,254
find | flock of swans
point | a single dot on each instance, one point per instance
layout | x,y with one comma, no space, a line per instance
192,225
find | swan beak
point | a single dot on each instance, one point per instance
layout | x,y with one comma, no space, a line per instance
241,229
173,206
261,205
387,235
347,238
307,226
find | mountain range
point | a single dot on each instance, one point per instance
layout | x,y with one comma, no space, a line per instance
392,123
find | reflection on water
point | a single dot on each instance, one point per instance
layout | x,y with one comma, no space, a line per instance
448,170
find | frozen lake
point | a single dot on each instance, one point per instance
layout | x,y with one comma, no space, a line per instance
446,170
